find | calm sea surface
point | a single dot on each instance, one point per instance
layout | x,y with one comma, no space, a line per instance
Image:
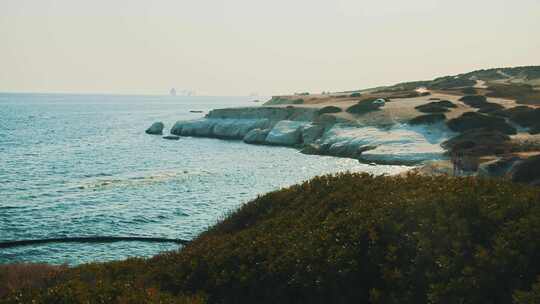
81,165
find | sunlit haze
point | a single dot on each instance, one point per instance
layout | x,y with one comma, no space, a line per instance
267,47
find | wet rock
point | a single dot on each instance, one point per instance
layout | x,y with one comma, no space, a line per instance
286,133
311,132
256,136
311,149
156,128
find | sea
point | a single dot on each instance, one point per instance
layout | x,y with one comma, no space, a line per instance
79,165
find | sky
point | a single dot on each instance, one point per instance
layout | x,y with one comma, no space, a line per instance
239,47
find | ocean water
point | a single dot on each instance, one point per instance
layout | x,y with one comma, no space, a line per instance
81,165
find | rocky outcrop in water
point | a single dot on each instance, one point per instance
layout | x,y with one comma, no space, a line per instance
256,136
171,137
156,128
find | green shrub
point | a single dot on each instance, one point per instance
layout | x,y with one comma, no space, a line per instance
278,100
469,91
436,107
427,119
474,120
350,238
329,109
527,171
450,82
535,129
522,93
490,107
479,142
475,101
526,117
364,106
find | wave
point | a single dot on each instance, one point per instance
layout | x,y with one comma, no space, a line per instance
135,180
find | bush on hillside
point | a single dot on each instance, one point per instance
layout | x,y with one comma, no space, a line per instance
490,107
427,119
436,107
450,82
527,171
522,93
479,142
526,117
475,101
474,120
508,113
469,91
351,238
364,106
329,109
535,129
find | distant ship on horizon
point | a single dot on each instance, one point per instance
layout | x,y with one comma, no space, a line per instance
172,92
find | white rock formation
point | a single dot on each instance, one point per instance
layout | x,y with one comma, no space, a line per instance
286,133
400,144
256,136
311,132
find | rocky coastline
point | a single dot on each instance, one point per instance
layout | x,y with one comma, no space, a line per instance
310,131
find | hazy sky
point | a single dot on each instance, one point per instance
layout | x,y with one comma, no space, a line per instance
236,47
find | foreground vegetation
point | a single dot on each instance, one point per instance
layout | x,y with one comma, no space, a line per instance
339,239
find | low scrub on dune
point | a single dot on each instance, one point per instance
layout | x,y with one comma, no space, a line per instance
469,90
329,109
350,238
475,101
364,106
474,120
427,119
490,107
479,142
450,82
436,107
526,117
528,171
522,93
